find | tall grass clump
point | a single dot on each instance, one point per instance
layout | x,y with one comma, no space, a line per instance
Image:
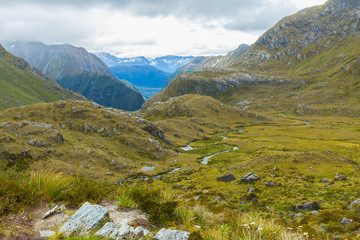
185,215
50,184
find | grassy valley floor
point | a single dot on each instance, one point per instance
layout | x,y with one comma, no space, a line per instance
298,159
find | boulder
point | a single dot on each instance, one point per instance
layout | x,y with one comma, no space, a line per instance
250,177
227,178
310,206
87,218
169,234
325,180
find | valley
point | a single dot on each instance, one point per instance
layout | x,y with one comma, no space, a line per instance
260,143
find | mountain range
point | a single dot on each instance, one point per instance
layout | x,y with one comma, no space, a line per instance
167,64
148,75
68,64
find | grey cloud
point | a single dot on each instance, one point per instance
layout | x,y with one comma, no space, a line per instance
260,19
239,14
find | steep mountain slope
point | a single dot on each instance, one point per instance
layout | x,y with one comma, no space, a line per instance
104,89
314,51
21,84
67,64
57,61
199,63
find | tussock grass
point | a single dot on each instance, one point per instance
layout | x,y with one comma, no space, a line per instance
185,215
49,183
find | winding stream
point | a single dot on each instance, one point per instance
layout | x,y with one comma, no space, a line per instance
205,160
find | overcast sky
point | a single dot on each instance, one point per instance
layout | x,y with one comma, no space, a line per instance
150,28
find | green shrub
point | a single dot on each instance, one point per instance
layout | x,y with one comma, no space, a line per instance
150,201
14,196
83,189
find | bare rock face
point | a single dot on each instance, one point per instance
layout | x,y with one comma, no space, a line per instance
167,234
87,218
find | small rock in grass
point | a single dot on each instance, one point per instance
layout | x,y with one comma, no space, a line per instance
227,178
357,201
250,177
325,180
269,184
346,221
310,206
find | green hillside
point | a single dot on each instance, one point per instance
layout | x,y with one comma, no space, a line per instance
104,89
20,84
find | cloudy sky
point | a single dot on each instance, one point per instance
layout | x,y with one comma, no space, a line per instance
150,28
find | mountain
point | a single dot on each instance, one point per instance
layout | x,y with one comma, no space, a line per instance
111,60
105,89
57,61
143,77
78,70
304,61
21,84
167,64
199,63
